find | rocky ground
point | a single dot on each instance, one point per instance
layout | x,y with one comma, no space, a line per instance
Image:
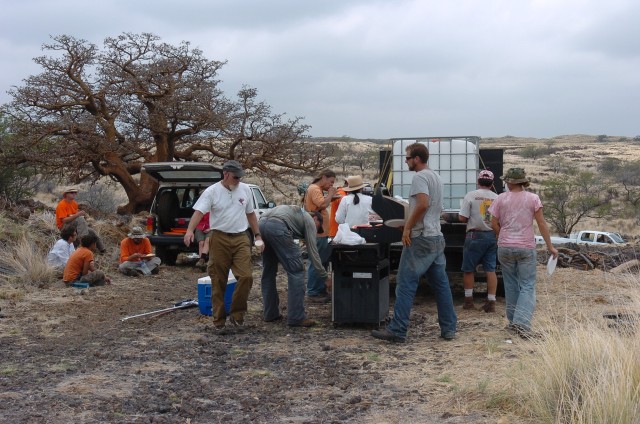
68,357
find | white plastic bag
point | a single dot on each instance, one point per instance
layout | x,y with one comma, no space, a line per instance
346,236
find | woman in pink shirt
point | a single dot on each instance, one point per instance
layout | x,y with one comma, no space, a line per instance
512,216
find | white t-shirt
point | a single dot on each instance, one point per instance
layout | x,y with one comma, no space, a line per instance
354,214
228,208
475,207
429,183
59,253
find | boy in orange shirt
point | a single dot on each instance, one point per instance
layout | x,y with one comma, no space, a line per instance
136,258
80,267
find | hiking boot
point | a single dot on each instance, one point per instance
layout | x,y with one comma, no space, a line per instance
220,330
386,334
238,325
276,319
449,335
468,303
306,323
489,306
319,298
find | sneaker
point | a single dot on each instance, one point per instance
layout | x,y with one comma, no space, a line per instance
449,335
386,334
201,263
468,303
489,306
319,298
304,323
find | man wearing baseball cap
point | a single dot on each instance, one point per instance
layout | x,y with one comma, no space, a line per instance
480,244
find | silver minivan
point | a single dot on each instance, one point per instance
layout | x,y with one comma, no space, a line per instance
180,186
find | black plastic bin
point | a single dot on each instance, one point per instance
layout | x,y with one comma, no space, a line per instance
360,284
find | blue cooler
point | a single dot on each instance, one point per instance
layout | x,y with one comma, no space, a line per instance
204,295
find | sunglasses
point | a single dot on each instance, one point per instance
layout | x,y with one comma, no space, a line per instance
236,178
408,157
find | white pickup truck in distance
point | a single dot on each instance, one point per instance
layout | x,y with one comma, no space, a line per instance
587,237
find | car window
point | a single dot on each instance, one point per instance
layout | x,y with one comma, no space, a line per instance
257,195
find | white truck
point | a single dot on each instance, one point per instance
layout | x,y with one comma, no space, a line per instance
589,237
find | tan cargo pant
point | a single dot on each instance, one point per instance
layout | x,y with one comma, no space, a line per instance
229,251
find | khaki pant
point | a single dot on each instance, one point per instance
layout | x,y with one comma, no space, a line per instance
231,252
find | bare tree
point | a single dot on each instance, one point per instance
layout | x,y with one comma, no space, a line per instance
94,113
572,197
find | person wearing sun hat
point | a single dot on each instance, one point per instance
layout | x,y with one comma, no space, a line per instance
480,241
136,257
512,216
354,208
67,213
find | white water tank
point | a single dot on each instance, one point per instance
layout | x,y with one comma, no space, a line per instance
454,159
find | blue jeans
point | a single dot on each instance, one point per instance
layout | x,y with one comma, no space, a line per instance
280,247
315,284
424,256
519,275
479,247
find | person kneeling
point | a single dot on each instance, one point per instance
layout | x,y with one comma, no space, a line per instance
136,258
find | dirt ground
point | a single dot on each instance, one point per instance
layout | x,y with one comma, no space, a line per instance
66,356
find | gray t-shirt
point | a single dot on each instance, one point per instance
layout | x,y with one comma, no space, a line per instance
302,226
475,207
429,183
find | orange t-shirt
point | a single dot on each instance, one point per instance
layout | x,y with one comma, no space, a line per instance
312,202
65,209
128,248
75,264
333,228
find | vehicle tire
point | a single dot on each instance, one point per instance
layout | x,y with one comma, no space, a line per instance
167,256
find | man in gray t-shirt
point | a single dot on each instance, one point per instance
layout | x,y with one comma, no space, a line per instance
423,252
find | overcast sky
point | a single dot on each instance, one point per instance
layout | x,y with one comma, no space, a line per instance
381,69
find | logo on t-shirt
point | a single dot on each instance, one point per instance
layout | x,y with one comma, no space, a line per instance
242,201
484,210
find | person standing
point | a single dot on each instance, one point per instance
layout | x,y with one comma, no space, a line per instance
480,244
67,213
354,209
318,198
231,213
335,202
423,251
512,216
202,233
279,227
136,255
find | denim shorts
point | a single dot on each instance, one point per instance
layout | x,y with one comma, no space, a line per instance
480,247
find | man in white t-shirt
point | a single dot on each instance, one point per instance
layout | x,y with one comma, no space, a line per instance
230,205
480,244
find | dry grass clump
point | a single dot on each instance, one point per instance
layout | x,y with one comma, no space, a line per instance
587,371
23,262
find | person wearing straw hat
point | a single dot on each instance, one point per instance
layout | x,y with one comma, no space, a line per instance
354,208
67,213
136,257
480,241
512,216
